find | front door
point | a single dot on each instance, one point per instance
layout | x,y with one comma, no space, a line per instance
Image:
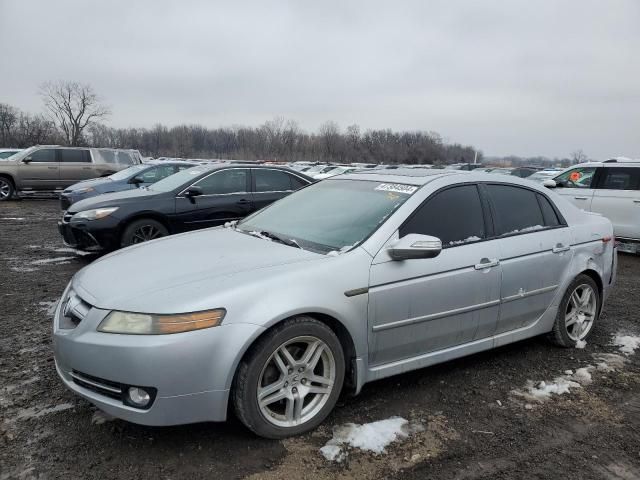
575,186
535,253
424,305
225,197
40,170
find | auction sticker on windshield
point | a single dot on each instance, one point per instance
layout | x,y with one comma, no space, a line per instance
397,187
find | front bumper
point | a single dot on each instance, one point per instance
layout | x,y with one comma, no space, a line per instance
97,235
191,372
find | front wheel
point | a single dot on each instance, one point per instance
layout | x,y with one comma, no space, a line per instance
290,380
6,189
143,230
578,312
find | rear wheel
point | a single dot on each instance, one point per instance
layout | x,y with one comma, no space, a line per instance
6,189
578,312
143,230
291,379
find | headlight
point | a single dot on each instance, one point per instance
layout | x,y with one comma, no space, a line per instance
94,214
150,324
83,190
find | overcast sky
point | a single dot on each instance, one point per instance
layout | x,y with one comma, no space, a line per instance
509,77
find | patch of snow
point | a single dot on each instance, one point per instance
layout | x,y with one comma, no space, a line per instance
12,218
466,240
370,437
54,260
33,412
99,417
523,230
24,269
627,344
71,250
583,375
49,307
609,362
581,344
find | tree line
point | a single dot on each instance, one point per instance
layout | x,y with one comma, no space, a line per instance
74,116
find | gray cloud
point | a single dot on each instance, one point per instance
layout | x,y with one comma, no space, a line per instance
509,77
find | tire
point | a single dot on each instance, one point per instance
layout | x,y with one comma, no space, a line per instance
7,190
142,230
295,404
577,315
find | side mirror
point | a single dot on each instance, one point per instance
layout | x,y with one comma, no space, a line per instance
27,160
136,181
415,246
550,183
193,192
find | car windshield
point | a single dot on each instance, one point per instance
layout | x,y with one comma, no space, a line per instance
330,216
177,179
127,172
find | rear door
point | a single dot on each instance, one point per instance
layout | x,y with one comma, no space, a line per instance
576,186
75,165
41,170
535,252
225,197
270,184
617,197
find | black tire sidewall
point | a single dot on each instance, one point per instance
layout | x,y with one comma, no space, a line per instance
253,417
127,235
561,328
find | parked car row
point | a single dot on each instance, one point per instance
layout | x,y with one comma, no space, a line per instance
358,277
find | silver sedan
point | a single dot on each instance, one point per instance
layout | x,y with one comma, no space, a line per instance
347,281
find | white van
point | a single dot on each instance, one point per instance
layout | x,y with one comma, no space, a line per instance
611,188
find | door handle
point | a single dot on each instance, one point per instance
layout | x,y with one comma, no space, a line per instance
86,168
581,198
486,263
636,201
52,168
243,201
559,248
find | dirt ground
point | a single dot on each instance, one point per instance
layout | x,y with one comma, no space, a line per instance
474,425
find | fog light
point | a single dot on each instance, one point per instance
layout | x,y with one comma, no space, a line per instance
139,396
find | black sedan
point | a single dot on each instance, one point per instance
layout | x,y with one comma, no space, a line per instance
199,197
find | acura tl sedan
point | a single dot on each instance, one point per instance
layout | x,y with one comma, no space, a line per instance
198,197
352,279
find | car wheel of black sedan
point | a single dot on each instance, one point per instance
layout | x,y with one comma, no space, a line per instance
290,380
578,312
143,230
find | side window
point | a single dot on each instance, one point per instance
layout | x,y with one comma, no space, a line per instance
614,178
179,168
74,156
157,173
548,213
440,217
297,182
224,182
45,155
516,209
577,177
271,180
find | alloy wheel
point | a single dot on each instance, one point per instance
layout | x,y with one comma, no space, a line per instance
5,189
581,312
296,381
146,233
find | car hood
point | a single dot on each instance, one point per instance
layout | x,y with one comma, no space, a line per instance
93,182
166,275
113,199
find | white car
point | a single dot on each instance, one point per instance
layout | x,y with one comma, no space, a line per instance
611,188
333,172
7,152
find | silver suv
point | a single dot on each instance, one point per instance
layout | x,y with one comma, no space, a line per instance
610,188
53,168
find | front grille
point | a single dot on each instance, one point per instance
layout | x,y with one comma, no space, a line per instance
99,385
73,311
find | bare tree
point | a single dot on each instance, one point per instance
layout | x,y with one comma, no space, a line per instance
8,119
579,156
72,106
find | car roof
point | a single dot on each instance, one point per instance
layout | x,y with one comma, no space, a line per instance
608,163
410,176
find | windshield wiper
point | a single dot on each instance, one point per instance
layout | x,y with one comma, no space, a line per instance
290,242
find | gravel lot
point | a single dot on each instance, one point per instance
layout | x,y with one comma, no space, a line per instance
475,426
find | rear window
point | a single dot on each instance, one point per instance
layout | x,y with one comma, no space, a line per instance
516,209
116,157
271,180
615,178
